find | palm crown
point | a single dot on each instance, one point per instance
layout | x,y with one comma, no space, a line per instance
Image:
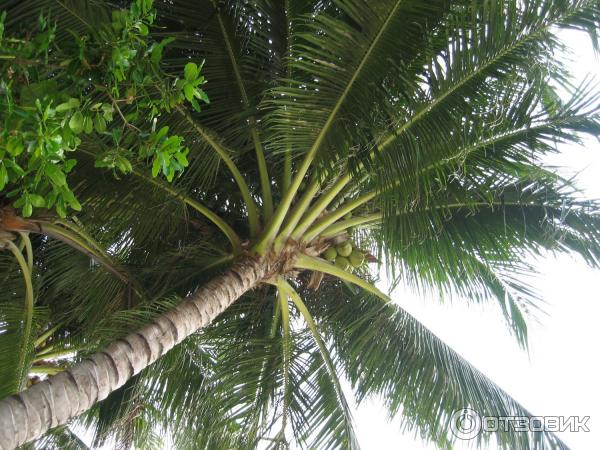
415,130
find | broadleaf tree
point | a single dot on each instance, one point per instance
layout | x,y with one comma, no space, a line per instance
207,273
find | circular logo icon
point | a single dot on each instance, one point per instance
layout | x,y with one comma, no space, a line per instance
466,424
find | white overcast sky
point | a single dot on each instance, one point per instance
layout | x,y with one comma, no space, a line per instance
561,375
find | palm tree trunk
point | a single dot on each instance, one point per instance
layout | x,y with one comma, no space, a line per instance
29,414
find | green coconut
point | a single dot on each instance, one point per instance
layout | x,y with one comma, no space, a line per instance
348,216
356,258
342,262
344,249
330,254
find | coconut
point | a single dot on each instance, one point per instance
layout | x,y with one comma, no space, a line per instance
356,258
348,216
342,262
330,254
344,249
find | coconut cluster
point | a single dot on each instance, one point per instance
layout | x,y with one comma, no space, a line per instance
345,256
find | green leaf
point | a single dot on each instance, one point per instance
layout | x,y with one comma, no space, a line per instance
181,159
13,166
37,200
69,164
74,203
157,49
190,71
14,146
88,125
199,93
188,91
3,176
99,124
147,5
170,143
55,174
155,167
61,210
123,165
72,103
195,105
27,209
76,123
161,133
170,174
107,111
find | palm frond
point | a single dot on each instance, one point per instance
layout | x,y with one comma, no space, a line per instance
390,355
20,320
476,247
342,433
337,56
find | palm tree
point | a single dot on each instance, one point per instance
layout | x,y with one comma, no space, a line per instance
409,134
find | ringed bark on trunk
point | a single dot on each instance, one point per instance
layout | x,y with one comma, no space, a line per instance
28,415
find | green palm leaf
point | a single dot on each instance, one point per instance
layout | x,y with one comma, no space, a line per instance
389,354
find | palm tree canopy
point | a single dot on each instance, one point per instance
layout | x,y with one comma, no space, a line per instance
417,130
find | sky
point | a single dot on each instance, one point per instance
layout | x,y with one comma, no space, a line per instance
561,373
